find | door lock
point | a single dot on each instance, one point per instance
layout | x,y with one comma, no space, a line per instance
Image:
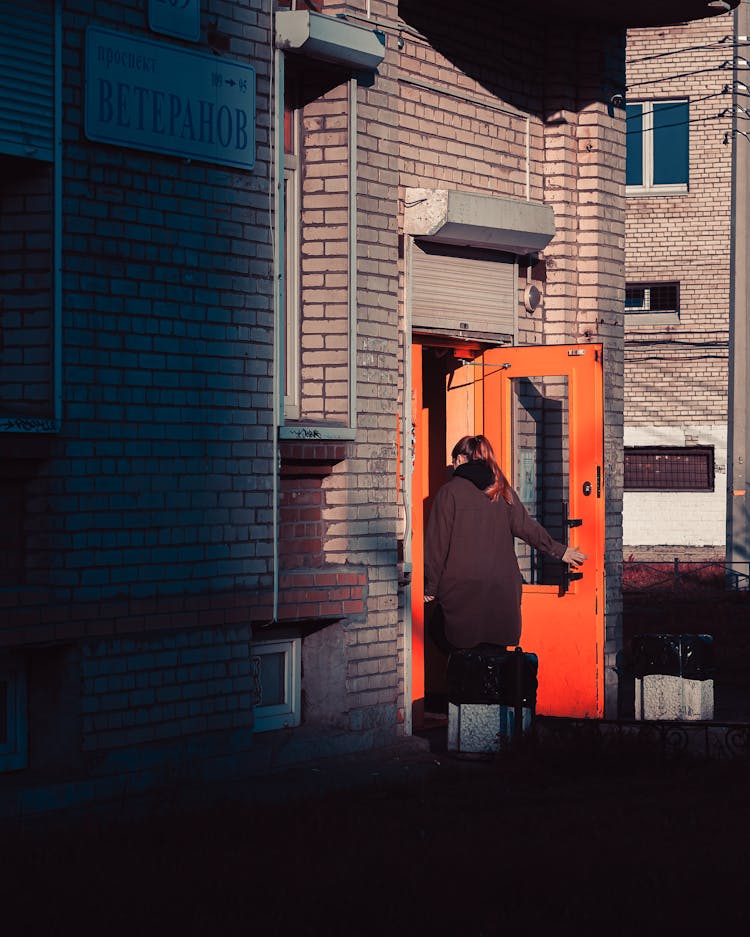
587,488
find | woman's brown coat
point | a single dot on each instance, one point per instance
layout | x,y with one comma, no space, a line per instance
471,566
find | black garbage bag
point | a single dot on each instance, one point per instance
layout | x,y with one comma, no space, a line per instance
489,674
678,655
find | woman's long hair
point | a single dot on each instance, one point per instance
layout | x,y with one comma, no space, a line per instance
479,448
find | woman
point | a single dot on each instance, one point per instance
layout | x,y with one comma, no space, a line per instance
470,560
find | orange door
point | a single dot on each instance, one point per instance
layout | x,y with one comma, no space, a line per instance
542,409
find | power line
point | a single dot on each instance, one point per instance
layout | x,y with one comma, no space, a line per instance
682,123
697,71
702,48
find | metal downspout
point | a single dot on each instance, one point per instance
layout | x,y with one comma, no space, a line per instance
57,177
352,249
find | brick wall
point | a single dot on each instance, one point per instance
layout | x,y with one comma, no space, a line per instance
324,353
676,371
142,690
147,531
164,486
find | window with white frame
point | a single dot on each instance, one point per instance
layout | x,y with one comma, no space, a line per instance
657,135
276,672
652,302
13,737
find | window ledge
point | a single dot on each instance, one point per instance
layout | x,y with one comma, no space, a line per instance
307,432
640,191
634,320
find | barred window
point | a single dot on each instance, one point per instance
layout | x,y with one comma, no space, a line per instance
652,297
664,468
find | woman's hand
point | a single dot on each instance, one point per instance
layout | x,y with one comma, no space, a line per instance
573,556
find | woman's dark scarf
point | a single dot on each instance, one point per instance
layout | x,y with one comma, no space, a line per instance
477,472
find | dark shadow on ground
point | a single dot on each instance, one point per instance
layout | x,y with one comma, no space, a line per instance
579,841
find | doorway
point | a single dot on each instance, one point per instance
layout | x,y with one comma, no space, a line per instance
542,409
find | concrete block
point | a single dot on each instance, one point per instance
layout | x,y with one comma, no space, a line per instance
482,727
661,696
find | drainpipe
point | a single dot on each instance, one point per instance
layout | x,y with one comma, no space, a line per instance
57,329
352,248
737,554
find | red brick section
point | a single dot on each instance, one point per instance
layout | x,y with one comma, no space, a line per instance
302,528
309,588
322,594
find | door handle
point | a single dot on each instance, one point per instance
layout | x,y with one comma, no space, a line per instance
566,577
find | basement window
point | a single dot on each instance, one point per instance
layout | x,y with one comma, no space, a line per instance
276,671
13,736
652,299
665,468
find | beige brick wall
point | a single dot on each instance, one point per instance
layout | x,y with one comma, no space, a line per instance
472,115
678,372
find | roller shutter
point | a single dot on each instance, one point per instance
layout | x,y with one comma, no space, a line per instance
463,290
27,99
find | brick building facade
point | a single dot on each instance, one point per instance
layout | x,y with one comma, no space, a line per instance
678,269
213,308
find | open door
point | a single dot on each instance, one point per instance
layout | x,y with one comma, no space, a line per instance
542,409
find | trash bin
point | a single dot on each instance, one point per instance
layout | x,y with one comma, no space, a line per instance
673,676
491,697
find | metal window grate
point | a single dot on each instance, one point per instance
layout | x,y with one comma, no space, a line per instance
652,297
662,468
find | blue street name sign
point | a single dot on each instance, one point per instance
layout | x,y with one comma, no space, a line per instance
151,96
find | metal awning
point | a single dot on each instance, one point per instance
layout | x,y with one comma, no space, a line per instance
330,39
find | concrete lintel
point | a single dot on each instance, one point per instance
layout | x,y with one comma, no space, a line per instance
487,221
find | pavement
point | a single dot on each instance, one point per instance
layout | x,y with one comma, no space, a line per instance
410,840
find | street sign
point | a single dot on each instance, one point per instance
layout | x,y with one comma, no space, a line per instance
179,18
153,96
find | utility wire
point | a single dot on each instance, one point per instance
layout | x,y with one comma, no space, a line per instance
698,71
682,123
724,41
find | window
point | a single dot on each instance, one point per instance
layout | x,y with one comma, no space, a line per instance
275,668
12,714
291,260
652,302
664,468
29,299
657,147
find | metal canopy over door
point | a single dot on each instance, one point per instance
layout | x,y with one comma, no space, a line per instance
542,408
